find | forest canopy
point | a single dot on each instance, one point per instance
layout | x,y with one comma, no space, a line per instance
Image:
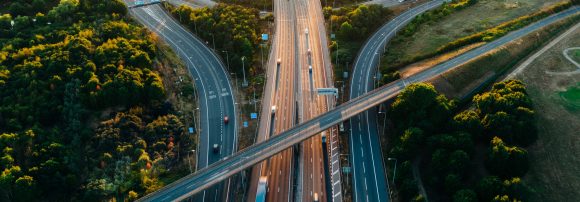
82,106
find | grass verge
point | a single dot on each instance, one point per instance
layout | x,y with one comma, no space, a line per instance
461,82
429,37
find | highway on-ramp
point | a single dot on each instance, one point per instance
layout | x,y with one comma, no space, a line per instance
213,87
221,170
366,159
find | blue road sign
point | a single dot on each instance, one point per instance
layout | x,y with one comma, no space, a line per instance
265,37
245,124
253,115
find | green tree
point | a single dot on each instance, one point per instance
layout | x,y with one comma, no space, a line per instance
22,22
346,31
504,198
452,183
72,114
412,138
506,161
5,22
64,10
38,6
454,141
443,161
465,195
25,189
420,105
19,8
500,124
116,6
468,121
489,187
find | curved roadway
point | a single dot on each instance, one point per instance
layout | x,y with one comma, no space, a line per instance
221,170
366,159
212,84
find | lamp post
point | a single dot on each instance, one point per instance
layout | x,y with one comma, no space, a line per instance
227,59
213,40
336,53
385,118
376,75
195,25
245,82
261,55
189,160
395,171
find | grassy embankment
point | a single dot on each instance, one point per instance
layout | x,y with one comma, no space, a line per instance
430,35
473,76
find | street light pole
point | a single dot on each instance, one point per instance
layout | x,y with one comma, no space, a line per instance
262,55
194,23
336,52
385,118
189,160
376,75
213,40
395,171
227,59
245,83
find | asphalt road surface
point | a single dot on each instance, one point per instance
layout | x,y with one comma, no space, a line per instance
213,87
312,36
280,91
369,178
221,170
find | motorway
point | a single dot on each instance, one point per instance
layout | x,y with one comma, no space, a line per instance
280,91
213,86
312,36
369,178
199,181
290,88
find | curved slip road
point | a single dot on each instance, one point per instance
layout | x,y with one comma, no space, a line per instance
213,87
369,178
221,170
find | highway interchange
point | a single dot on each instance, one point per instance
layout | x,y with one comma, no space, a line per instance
289,132
221,170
